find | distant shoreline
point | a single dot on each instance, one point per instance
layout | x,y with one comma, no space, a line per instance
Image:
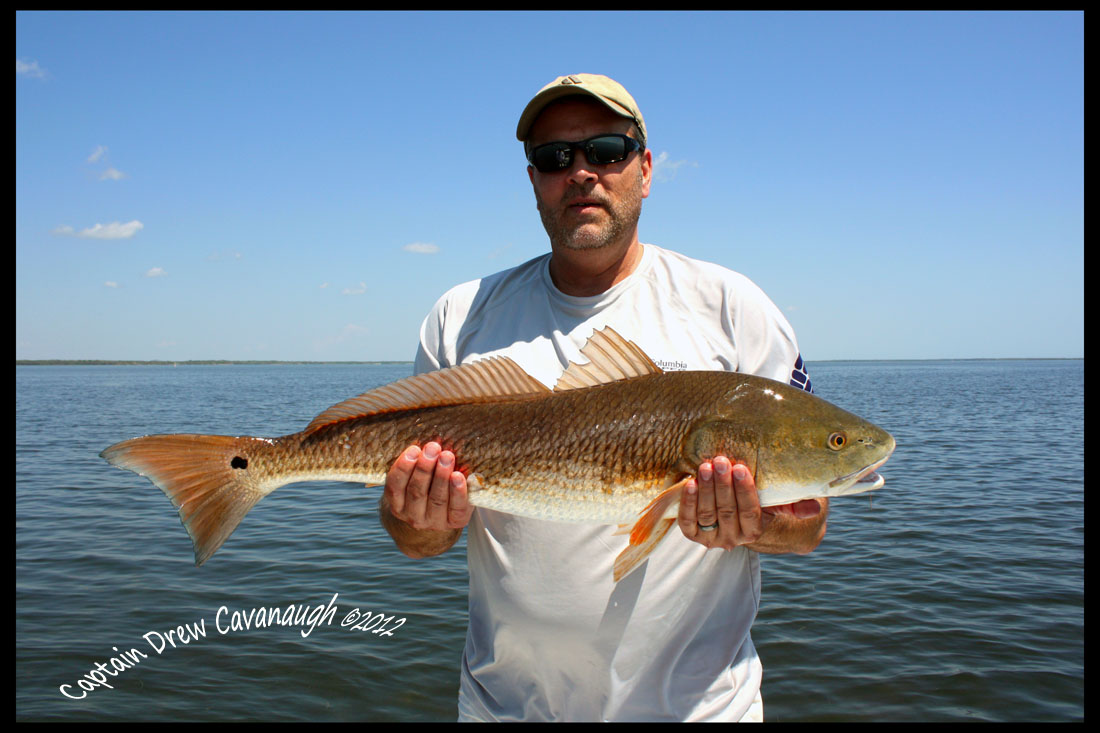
197,362
229,362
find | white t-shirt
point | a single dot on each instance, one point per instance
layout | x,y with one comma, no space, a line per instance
551,636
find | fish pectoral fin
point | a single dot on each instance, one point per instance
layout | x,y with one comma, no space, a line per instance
655,521
665,504
634,555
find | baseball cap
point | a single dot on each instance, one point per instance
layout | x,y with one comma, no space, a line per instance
600,87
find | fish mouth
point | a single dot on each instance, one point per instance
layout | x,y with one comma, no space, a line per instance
865,478
869,481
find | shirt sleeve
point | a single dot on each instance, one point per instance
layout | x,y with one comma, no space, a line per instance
430,351
765,339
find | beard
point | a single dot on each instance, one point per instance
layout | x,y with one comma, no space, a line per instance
620,222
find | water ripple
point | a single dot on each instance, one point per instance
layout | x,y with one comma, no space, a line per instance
956,593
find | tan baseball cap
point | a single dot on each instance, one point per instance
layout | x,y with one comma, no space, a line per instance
603,88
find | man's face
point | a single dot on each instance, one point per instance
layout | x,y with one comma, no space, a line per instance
588,206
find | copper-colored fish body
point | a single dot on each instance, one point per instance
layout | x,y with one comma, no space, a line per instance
611,444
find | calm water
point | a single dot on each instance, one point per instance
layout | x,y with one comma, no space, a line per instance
957,594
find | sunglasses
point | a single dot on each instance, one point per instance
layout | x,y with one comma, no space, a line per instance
601,150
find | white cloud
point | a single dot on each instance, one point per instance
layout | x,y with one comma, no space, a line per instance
224,255
423,248
114,230
324,285
356,291
99,155
155,272
665,170
31,69
110,284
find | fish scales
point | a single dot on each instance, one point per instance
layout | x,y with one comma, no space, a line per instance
613,443
588,455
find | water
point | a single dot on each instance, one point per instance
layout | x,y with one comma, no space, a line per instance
957,594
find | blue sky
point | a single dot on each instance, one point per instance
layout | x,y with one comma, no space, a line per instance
305,185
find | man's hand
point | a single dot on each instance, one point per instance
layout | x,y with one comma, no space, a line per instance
722,509
424,506
425,492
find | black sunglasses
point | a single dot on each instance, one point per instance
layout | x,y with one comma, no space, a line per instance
600,150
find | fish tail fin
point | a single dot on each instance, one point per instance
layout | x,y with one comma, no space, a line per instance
207,478
649,530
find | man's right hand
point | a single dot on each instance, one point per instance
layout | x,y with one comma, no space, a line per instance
427,498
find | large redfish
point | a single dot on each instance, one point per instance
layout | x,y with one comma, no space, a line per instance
612,443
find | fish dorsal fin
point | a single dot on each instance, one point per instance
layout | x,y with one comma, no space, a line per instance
610,358
491,379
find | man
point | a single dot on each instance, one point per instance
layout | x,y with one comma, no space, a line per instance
551,636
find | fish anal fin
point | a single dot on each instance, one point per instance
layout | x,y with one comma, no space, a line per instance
610,359
495,378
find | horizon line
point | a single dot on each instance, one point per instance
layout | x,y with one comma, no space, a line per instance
218,362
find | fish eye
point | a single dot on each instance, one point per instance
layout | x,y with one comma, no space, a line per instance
838,440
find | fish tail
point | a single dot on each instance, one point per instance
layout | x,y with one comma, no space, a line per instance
206,476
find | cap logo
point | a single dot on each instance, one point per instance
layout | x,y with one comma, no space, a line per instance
571,80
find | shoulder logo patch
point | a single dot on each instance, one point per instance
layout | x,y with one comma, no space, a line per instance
800,377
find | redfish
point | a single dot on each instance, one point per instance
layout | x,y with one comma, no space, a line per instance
614,442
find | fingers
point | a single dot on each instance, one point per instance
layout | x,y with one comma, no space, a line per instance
424,491
426,495
688,518
721,507
398,478
748,504
459,509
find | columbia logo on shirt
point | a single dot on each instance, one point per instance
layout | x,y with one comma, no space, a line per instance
671,366
800,377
